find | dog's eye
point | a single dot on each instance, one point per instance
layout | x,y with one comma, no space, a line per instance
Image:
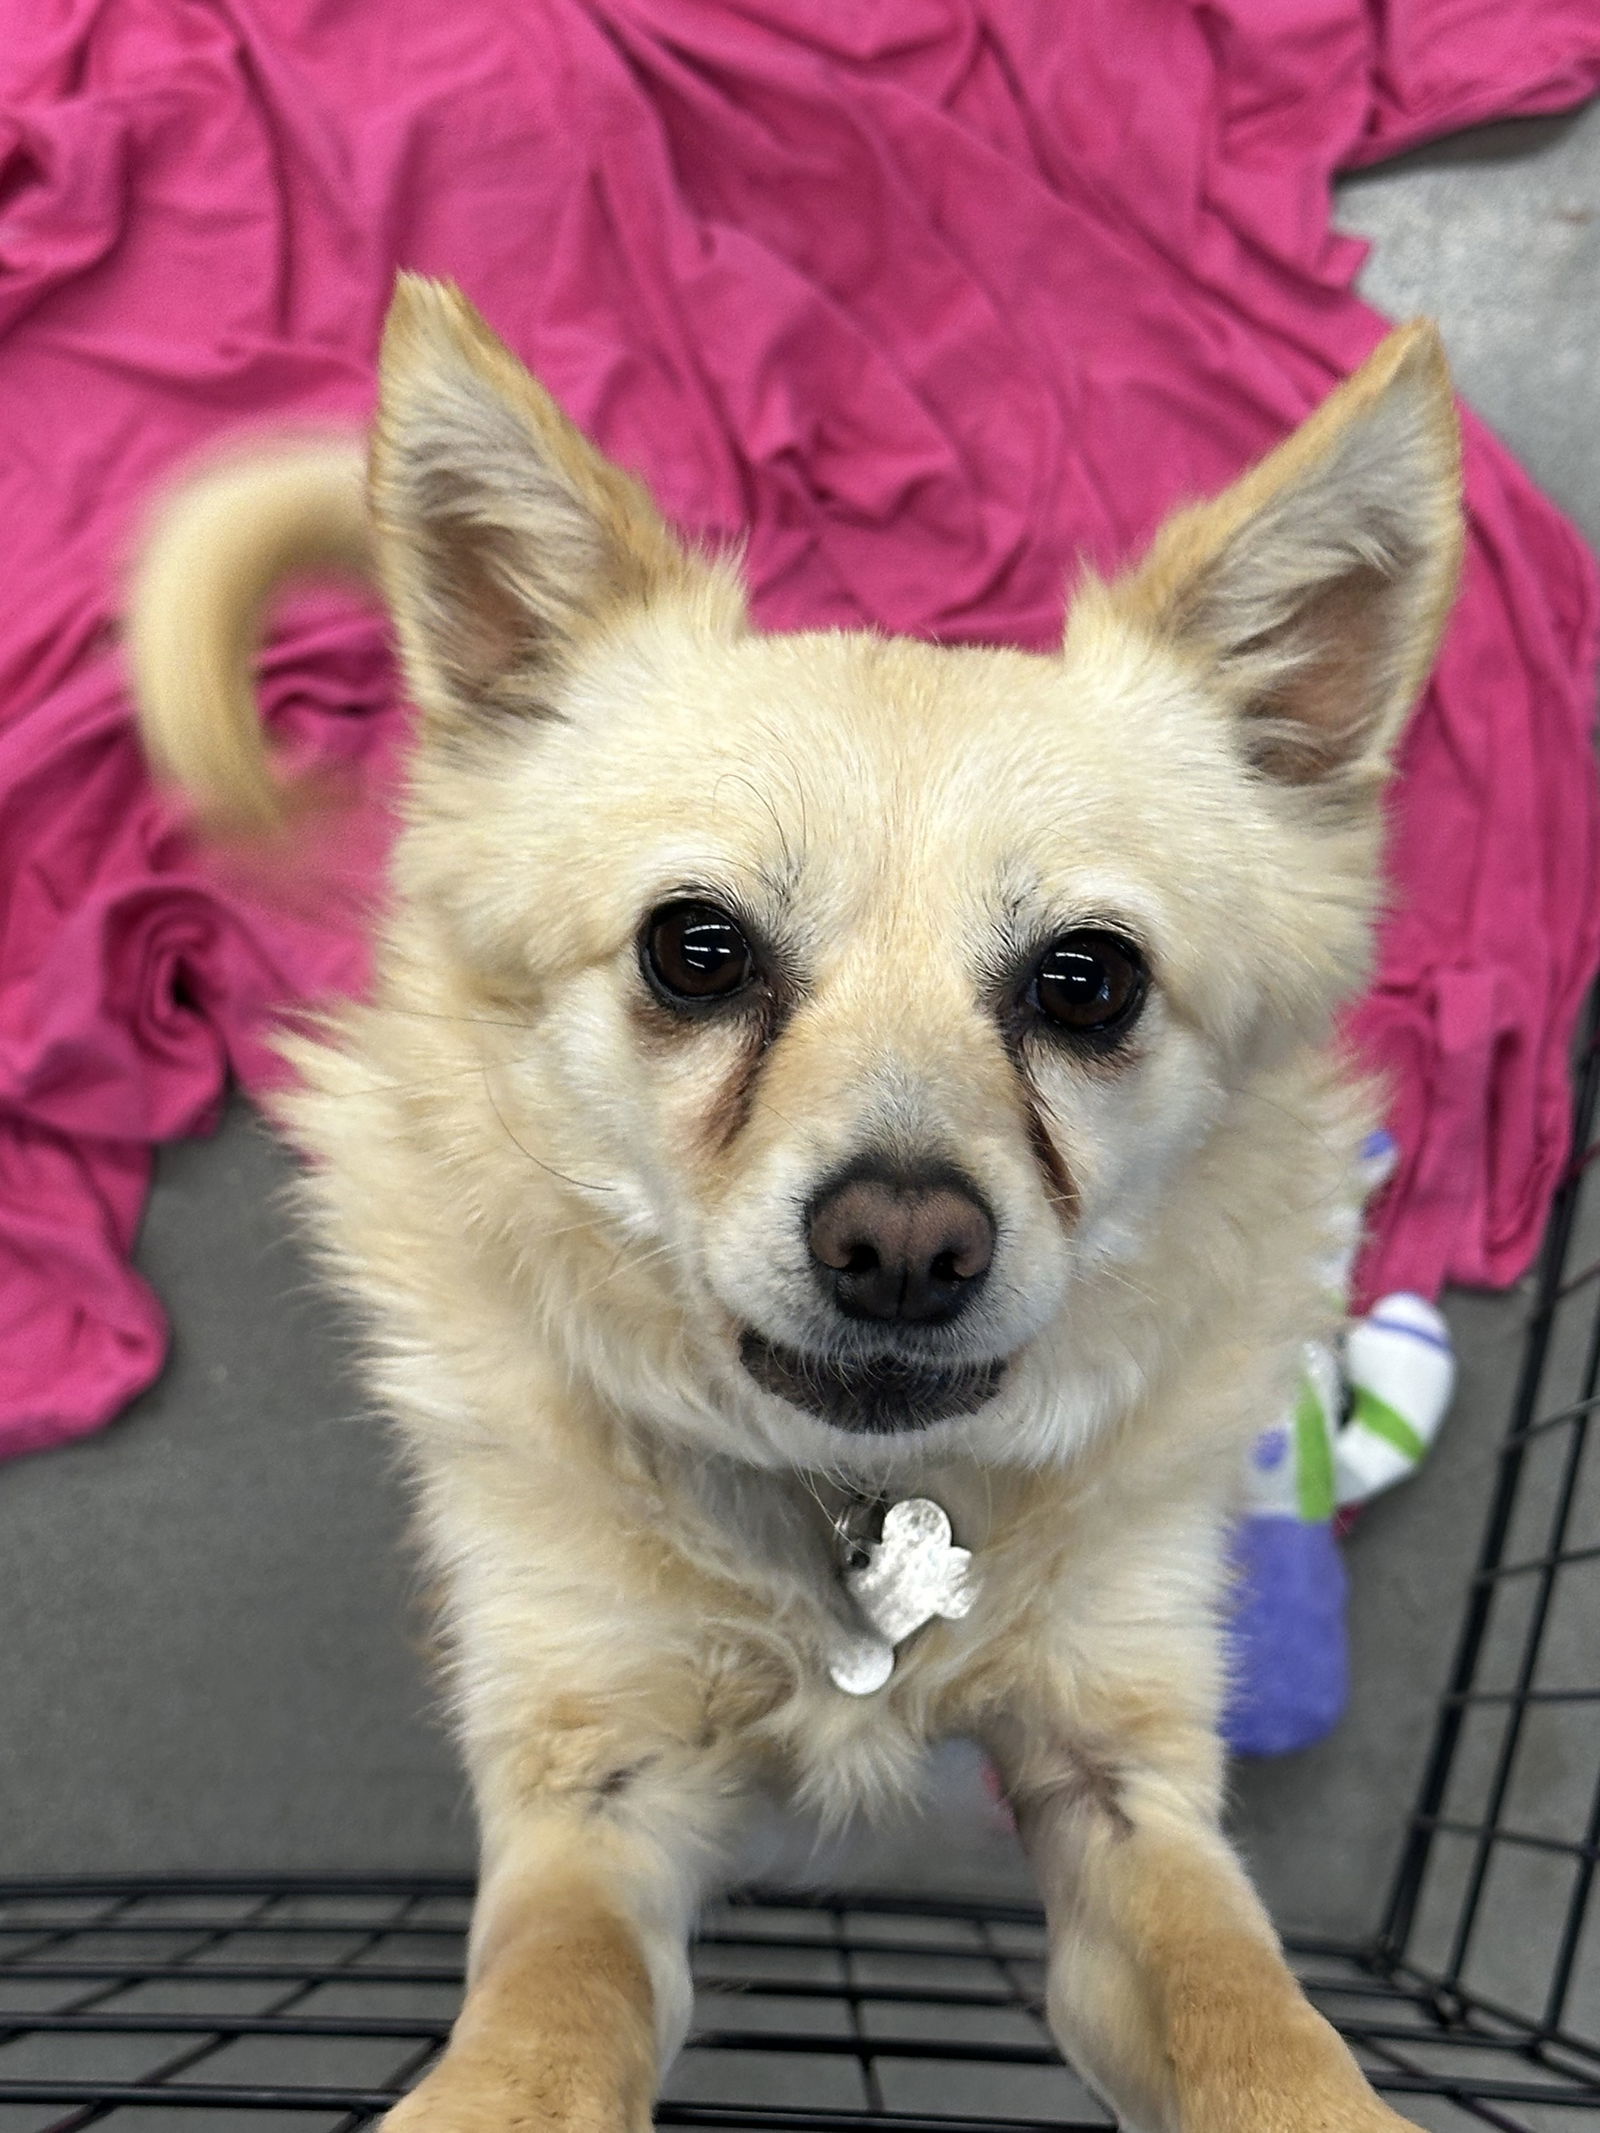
1089,983
693,952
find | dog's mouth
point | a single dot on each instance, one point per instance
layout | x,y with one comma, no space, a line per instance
875,1395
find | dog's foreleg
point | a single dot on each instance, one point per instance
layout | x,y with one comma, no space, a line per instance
1167,1985
578,1986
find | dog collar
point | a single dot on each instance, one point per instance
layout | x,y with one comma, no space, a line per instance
901,1569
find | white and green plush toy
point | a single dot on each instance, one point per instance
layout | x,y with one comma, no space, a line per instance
1368,1410
1363,1418
1399,1371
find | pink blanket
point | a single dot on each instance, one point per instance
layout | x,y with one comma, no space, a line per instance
932,297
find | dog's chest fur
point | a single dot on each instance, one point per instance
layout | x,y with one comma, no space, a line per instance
597,1568
605,1578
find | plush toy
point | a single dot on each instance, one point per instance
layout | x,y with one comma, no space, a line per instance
1364,1416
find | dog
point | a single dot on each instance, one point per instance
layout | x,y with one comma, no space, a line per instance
833,1170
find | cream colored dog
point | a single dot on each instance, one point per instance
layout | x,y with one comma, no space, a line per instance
807,1074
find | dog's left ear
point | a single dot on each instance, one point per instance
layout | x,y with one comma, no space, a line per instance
1314,592
505,538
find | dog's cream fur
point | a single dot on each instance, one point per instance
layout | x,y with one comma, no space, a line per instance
559,1211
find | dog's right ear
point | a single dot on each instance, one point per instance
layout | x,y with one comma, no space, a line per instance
504,537
1313,593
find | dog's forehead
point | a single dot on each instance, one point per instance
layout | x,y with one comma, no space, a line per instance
845,757
869,803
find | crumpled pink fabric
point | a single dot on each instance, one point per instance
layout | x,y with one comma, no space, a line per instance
932,298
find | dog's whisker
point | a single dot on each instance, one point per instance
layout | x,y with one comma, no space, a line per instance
1119,1279
636,1262
441,1078
459,1021
765,1103
577,1184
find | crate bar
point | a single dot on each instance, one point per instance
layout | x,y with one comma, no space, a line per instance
1463,2005
1473,1697
108,2022
1533,1638
33,1888
240,1973
1572,1926
1544,1562
220,1929
1490,1833
1400,1914
1545,1423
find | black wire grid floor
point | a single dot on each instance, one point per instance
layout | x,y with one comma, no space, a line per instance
223,2004
231,2005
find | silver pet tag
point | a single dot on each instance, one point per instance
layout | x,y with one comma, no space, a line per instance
913,1573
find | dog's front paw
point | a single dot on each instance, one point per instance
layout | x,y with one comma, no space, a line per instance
485,2098
1346,2105
1305,2114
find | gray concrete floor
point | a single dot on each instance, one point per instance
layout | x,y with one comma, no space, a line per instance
209,1658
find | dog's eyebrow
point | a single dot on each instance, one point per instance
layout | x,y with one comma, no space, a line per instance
782,883
793,860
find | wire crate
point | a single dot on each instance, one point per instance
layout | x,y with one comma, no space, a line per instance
230,2005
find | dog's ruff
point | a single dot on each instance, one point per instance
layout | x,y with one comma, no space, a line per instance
575,1190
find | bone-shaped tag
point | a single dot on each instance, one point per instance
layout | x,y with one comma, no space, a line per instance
912,1574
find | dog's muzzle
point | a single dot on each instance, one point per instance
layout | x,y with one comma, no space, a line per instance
876,1395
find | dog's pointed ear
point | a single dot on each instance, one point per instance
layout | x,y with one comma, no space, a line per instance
1314,592
505,538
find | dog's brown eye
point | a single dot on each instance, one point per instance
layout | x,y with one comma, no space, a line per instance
696,952
1089,983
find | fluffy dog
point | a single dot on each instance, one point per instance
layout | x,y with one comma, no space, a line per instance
806,1073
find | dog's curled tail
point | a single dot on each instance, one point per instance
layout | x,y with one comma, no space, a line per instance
215,551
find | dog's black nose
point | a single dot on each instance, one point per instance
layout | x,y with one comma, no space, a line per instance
912,1246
